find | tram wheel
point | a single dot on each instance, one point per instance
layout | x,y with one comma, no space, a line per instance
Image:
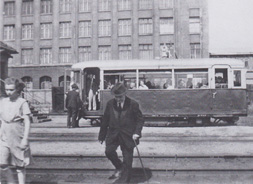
95,122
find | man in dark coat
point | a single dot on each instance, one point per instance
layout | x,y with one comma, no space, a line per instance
122,124
73,102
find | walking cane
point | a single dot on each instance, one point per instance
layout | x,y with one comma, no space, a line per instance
146,177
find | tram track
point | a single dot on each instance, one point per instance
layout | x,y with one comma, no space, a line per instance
91,137
187,155
159,163
96,169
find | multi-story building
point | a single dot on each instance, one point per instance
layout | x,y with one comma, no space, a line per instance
51,35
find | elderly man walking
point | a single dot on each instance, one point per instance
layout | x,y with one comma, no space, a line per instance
122,124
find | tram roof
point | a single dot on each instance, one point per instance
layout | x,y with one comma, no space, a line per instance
158,63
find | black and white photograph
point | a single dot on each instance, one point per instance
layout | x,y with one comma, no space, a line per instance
126,92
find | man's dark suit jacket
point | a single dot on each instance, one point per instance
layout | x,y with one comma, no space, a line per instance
73,100
123,123
94,86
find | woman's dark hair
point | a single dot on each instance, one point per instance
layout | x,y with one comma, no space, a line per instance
19,87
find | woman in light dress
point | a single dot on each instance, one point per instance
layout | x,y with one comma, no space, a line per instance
142,85
14,132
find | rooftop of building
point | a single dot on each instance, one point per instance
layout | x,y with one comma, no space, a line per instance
7,48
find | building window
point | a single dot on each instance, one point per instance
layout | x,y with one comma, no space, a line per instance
46,31
104,52
9,32
195,50
125,52
85,29
46,56
27,7
65,6
124,5
45,82
84,5
65,29
194,26
104,5
84,53
145,26
27,56
28,81
65,55
104,28
61,81
125,27
166,26
46,6
146,51
145,4
194,21
165,4
27,31
9,8
11,61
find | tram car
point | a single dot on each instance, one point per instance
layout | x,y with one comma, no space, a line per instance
196,91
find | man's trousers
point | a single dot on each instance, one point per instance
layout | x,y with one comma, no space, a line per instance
72,114
126,165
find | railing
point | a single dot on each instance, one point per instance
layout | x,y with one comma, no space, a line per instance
41,99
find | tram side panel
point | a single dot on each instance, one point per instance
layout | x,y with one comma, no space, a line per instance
187,103
229,102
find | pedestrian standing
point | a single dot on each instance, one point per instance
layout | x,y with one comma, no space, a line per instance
73,102
122,124
15,127
92,91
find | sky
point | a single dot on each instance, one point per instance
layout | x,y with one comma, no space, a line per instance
230,26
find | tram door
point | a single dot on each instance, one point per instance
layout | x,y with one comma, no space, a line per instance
75,76
91,86
221,98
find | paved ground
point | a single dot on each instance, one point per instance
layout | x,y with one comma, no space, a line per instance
50,138
185,141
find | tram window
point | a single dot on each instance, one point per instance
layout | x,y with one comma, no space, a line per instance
237,78
188,79
75,77
221,78
156,79
127,77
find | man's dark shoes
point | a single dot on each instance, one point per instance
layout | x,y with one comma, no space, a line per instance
116,174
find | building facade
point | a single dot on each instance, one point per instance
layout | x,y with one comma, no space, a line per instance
51,35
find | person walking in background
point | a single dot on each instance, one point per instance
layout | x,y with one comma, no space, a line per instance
122,124
14,133
73,102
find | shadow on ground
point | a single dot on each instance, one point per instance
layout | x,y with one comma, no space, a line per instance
138,175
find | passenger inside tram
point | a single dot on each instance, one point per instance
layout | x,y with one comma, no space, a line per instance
142,85
158,79
189,83
168,84
132,85
221,78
